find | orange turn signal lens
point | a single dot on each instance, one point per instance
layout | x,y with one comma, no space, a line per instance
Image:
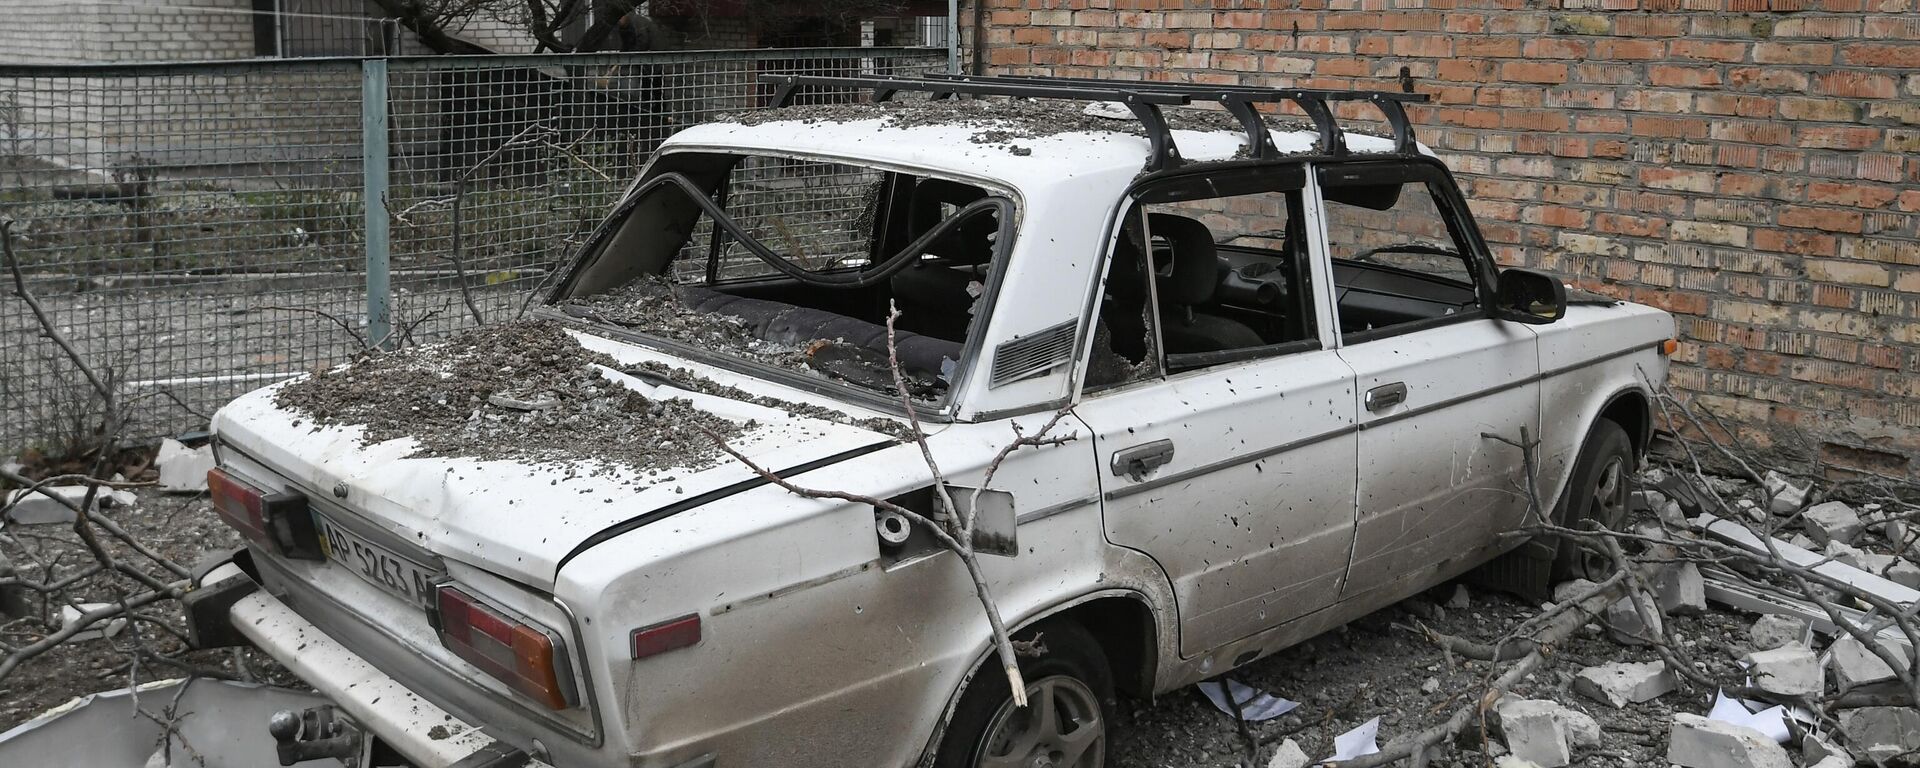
1669,346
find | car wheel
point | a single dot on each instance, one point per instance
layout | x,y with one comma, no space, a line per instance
1597,491
1064,725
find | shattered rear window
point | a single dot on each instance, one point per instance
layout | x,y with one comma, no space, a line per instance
799,267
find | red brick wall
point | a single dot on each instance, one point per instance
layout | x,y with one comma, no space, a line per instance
1751,165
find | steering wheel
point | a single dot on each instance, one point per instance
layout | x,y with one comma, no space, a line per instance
1423,248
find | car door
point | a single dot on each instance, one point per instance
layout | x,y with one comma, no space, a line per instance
1437,376
1228,452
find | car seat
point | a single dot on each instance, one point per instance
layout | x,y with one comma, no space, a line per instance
1186,284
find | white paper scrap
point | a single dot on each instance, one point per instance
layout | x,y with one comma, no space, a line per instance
1255,705
1771,721
1364,740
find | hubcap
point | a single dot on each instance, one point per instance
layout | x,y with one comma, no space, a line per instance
1608,508
1059,728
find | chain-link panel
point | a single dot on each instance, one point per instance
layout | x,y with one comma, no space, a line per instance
197,230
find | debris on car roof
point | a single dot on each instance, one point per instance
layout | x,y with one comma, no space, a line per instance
520,390
997,120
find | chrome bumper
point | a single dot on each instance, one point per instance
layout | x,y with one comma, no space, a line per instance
402,719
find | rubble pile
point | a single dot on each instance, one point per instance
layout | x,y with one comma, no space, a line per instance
650,305
522,390
1725,661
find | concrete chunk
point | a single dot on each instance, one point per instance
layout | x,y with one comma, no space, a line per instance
1790,670
183,469
71,614
1854,665
1815,749
1773,630
1787,494
1289,755
1882,732
1697,742
1832,521
1568,590
1625,625
1621,683
1905,573
1679,589
1535,731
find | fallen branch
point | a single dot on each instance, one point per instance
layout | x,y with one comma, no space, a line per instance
949,525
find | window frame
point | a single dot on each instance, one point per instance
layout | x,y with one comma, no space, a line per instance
1137,198
1453,211
942,410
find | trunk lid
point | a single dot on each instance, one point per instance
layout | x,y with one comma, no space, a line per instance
513,517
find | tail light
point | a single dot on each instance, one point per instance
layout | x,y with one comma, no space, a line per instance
279,521
529,658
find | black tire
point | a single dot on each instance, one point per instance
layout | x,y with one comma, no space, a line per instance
1072,669
1597,491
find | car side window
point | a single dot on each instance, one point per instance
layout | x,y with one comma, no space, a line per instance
1398,255
1126,341
1230,266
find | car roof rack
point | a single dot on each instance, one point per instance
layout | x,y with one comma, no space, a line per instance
1144,99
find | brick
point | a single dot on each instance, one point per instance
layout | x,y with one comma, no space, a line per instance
1793,53
1716,233
1533,72
1856,195
1881,55
1767,79
1858,273
1668,76
1859,85
1707,50
1827,110
1828,219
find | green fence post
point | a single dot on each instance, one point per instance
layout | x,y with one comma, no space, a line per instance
373,197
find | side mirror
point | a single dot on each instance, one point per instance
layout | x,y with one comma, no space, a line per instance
1526,296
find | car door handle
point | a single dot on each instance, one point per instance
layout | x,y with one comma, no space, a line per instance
1141,460
1386,396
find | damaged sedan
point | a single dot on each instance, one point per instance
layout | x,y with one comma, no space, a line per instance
1282,375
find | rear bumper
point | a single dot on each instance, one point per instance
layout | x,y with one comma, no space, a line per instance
378,702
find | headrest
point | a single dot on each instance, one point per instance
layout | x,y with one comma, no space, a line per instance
969,244
1195,271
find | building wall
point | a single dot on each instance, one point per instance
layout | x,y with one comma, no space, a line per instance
40,31
1751,165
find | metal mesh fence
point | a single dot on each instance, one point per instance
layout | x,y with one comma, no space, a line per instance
198,230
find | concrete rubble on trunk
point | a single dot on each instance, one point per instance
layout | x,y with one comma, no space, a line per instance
1696,742
1618,684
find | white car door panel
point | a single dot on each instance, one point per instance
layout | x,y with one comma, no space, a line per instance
1251,516
1432,489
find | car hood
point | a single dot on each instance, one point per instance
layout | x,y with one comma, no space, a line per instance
517,518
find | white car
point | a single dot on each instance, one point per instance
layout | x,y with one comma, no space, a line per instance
1285,355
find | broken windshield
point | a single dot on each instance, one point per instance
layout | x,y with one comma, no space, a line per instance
793,264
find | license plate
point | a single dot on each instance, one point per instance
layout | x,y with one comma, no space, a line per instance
382,568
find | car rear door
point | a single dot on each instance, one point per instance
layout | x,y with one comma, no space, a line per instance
1235,470
1436,376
